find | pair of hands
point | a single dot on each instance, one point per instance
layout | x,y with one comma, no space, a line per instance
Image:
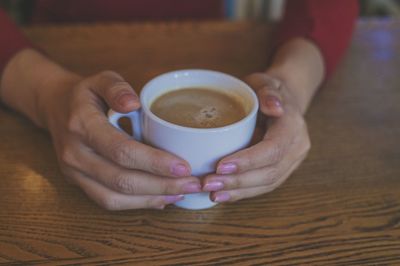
119,173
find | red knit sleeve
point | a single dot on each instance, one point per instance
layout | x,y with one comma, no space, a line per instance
12,40
329,24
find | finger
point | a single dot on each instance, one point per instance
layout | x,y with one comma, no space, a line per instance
112,200
248,179
267,152
238,194
119,179
89,121
269,92
97,132
286,136
117,93
258,80
255,178
270,99
243,193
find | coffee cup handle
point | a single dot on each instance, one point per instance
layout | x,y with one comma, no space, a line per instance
135,118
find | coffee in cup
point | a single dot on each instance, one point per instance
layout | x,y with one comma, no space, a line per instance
198,108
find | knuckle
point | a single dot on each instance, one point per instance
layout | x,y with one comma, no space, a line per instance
236,182
123,154
276,154
271,91
135,155
247,160
274,84
255,80
272,176
124,184
117,89
122,85
67,157
109,74
250,159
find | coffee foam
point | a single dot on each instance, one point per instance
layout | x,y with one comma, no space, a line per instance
198,108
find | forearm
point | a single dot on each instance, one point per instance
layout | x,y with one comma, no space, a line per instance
29,81
299,63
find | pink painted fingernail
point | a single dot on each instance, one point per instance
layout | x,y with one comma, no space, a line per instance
127,98
191,187
227,168
272,102
213,186
161,207
222,197
173,198
180,170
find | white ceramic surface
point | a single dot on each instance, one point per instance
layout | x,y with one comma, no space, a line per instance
202,148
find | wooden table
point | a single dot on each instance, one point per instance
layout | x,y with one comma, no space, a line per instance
342,205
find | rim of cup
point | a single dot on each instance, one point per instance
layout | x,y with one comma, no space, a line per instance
146,108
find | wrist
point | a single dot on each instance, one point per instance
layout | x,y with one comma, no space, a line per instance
29,82
52,98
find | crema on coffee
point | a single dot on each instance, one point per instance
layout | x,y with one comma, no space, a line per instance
198,108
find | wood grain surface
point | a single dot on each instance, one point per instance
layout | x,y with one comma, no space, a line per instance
341,207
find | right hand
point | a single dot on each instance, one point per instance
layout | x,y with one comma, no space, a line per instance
114,170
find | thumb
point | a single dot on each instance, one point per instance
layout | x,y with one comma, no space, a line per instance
116,92
270,98
270,102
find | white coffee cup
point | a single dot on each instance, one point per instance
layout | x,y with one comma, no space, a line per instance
202,148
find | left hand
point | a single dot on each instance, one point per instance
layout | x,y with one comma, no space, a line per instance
266,165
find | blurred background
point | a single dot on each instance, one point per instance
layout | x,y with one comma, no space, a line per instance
235,9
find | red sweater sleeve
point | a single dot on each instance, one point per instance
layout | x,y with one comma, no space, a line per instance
329,24
12,40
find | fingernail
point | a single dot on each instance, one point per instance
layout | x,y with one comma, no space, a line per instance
127,98
191,187
180,170
161,207
213,186
227,168
173,198
222,197
272,102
